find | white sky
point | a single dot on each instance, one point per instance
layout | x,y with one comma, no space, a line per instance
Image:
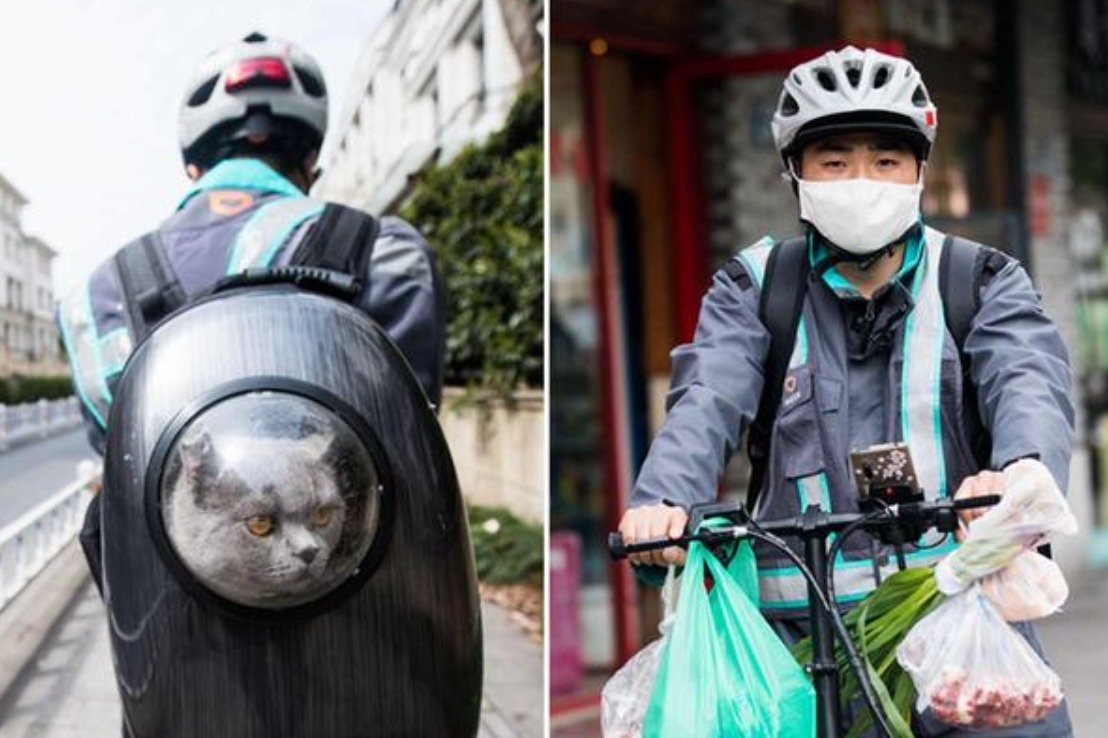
88,106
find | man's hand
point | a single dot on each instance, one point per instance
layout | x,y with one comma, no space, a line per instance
981,484
652,522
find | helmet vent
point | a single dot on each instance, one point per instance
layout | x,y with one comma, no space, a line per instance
798,80
203,92
255,38
919,97
312,85
853,76
788,105
880,77
826,80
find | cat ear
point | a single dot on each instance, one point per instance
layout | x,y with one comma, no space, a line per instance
318,444
199,460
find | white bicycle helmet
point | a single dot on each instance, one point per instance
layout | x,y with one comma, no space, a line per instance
850,90
262,90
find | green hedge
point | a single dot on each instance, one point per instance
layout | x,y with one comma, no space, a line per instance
507,550
483,214
16,390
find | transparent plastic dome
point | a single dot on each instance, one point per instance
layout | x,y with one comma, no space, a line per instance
270,499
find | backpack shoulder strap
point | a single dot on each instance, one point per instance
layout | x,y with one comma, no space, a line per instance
782,299
151,290
342,240
961,257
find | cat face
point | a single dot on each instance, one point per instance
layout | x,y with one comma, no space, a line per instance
258,519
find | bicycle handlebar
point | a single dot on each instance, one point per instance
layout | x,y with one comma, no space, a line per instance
937,513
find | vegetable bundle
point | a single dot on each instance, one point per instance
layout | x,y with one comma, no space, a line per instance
877,626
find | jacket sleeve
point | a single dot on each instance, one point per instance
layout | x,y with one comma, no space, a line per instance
406,299
715,386
97,343
1021,369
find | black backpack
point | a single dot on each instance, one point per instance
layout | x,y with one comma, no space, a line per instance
787,275
341,242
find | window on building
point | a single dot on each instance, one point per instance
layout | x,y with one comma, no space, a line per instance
482,78
430,93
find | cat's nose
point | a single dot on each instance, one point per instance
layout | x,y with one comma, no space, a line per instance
307,554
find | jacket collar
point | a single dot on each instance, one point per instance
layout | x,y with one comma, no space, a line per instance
242,174
840,285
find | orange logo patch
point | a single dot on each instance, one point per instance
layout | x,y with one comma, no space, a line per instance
229,202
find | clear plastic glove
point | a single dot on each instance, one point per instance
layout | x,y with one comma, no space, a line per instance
625,696
1031,512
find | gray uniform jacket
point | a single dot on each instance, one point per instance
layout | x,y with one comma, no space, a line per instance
847,395
248,216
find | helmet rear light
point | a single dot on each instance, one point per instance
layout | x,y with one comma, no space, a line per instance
260,72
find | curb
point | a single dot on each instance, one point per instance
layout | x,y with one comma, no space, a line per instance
28,619
11,443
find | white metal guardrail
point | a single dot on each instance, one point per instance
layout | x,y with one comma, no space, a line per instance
29,543
37,419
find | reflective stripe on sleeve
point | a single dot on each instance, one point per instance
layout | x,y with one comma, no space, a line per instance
79,336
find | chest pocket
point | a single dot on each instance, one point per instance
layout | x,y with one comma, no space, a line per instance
797,441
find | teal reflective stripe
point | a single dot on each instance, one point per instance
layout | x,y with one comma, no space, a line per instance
933,256
267,230
810,493
800,348
797,604
786,588
825,492
921,377
755,258
282,235
79,336
113,348
242,174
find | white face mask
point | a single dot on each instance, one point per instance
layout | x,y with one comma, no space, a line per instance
861,216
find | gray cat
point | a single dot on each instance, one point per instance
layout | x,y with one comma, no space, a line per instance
258,520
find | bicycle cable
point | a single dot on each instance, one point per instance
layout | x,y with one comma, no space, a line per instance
843,634
836,616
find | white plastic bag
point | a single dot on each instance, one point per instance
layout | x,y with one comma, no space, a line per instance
625,696
1029,588
974,670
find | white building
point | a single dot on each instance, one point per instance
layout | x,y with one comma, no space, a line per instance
434,76
28,336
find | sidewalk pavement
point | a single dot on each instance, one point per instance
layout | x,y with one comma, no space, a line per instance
67,690
1076,642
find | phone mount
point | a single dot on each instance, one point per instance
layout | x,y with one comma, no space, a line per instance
885,479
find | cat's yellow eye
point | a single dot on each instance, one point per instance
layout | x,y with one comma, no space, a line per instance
259,525
322,516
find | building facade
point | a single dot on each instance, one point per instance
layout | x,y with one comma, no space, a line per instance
29,342
662,165
435,75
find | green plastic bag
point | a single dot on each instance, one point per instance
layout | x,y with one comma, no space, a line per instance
724,671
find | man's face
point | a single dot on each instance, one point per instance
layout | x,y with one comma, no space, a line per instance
859,156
